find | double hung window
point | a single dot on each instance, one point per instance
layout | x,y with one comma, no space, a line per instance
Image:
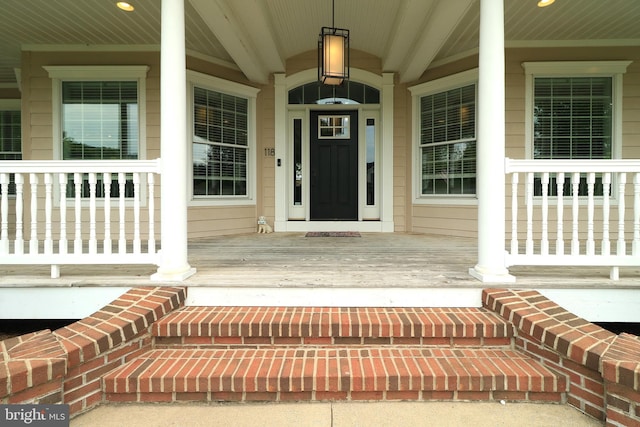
100,111
220,143
446,136
222,132
574,114
572,119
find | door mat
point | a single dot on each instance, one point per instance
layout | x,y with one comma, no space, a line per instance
332,234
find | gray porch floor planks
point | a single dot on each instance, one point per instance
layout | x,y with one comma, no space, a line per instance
293,260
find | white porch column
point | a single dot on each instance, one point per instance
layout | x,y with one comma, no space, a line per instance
173,145
491,150
280,112
386,183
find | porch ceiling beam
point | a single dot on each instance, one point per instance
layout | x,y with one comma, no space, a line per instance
253,51
443,18
409,23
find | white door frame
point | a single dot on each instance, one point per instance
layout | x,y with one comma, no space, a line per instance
384,154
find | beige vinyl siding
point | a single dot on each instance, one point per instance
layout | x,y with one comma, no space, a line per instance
438,220
631,109
221,220
266,190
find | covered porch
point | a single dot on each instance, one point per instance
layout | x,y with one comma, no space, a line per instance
372,269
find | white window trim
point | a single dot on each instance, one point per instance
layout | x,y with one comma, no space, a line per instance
60,73
206,81
430,88
614,69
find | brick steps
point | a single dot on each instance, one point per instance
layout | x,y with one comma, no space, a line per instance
267,354
202,326
336,373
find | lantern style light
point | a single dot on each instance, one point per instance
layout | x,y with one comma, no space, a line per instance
333,54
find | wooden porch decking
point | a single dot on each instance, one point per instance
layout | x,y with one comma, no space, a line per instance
282,260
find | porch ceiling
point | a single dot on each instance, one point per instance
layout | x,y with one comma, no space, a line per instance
258,36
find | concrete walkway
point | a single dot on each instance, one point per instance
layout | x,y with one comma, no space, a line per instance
337,414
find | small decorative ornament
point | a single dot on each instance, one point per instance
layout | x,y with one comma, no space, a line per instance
263,227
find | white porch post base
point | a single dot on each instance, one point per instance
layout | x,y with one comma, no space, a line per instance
169,275
492,275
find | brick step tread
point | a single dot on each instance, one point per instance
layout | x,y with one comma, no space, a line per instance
373,369
290,322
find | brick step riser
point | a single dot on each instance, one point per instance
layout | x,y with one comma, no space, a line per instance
284,324
256,342
347,373
323,396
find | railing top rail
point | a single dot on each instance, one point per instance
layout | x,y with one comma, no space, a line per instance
586,165
82,166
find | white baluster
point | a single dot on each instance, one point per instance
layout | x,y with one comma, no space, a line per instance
622,182
93,239
122,242
591,244
19,242
33,242
544,241
606,187
636,215
4,212
575,242
63,244
136,213
48,211
77,183
514,213
152,238
560,212
529,197
107,243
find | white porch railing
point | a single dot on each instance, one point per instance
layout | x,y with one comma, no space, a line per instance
575,227
90,227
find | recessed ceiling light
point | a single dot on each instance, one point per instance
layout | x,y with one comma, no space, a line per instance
125,6
544,3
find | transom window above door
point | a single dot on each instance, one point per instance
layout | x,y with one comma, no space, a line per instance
349,92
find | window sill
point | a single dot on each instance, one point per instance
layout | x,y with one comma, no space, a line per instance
470,200
209,201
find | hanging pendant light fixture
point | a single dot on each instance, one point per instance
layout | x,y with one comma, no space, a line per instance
333,53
